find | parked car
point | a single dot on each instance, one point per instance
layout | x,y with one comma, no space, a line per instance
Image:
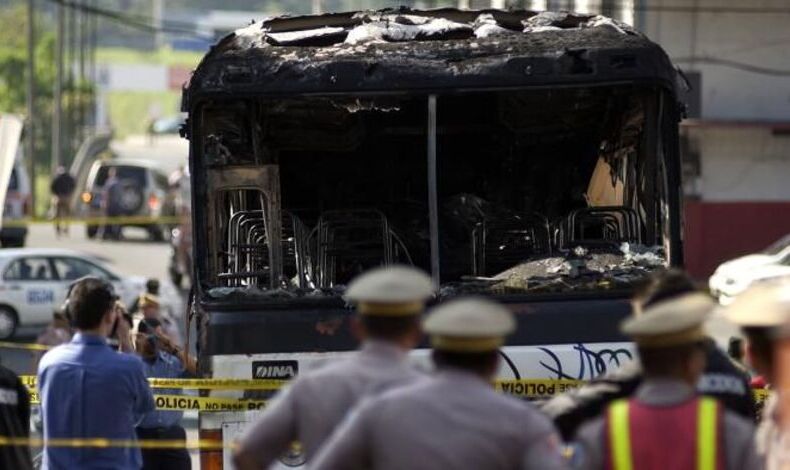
144,194
34,283
17,207
735,276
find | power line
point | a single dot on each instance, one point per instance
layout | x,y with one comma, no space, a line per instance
735,65
712,9
138,22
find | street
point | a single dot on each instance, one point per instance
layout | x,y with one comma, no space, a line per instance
135,256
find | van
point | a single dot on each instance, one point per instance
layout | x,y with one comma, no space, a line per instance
144,195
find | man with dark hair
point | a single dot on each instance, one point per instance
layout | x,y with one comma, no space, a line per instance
761,312
722,378
62,189
455,420
111,205
14,421
666,424
389,301
90,391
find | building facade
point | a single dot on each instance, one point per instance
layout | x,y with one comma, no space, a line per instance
736,140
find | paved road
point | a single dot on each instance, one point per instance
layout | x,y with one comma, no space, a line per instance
135,256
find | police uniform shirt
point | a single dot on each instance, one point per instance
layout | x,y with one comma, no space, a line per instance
455,420
721,380
14,420
771,443
309,410
739,452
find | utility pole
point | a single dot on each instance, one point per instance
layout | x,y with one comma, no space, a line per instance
31,112
58,93
158,16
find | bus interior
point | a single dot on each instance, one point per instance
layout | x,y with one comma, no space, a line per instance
536,190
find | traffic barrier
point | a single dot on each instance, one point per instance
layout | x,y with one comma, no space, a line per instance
523,388
30,381
98,442
116,220
28,346
536,388
193,403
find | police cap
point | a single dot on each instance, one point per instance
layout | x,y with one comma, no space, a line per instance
390,291
469,325
672,322
148,300
762,306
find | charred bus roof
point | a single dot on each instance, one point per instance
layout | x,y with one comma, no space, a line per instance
405,50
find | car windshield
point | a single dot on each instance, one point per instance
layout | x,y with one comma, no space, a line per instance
778,246
13,183
29,269
123,172
70,269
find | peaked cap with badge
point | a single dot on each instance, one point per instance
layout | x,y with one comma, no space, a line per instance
762,306
469,325
672,322
391,291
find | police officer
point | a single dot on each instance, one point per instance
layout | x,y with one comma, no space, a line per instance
665,424
760,312
456,419
14,421
722,378
389,302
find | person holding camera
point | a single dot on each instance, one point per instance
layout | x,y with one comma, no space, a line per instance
165,360
90,391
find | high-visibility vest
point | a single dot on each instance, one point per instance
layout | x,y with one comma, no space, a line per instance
681,437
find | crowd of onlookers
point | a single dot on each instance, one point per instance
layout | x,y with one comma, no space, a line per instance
683,404
93,381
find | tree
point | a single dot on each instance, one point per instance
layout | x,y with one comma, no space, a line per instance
13,74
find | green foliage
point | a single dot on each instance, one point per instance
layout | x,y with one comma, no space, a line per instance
120,55
129,110
13,84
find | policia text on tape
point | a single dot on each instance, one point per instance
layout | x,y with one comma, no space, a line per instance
530,389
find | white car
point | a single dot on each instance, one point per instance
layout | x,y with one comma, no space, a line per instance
34,282
735,276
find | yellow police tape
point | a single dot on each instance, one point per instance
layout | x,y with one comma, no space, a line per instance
30,381
98,442
523,388
97,221
536,388
28,346
191,403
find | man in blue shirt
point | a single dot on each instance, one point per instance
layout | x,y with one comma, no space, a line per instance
90,391
164,360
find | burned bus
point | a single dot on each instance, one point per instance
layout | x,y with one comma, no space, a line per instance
529,157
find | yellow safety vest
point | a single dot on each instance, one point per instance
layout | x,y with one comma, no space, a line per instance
620,436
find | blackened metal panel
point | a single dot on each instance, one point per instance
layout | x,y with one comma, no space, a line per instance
317,330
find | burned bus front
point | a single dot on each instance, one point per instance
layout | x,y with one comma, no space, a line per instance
531,158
